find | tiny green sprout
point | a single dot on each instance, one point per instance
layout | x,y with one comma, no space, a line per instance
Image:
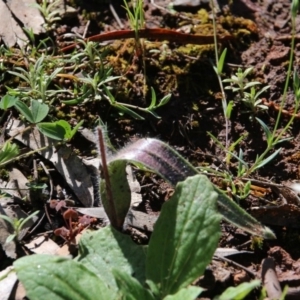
8,152
49,11
153,105
17,225
294,8
38,80
239,84
136,16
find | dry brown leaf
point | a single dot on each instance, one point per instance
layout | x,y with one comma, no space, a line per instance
68,164
42,245
23,11
7,282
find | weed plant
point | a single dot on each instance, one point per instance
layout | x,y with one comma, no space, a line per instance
249,93
17,225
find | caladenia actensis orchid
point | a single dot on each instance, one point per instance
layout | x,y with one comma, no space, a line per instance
158,157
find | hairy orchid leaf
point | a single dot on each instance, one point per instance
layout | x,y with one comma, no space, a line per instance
161,159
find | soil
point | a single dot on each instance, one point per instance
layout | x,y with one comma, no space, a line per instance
260,38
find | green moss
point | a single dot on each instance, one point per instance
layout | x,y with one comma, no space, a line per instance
256,242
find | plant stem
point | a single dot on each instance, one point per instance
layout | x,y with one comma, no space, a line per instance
113,214
275,138
288,75
224,101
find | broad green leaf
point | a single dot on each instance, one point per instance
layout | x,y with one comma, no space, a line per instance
185,236
161,159
8,152
39,110
189,293
130,288
25,111
67,128
239,292
7,101
52,130
107,249
118,190
55,278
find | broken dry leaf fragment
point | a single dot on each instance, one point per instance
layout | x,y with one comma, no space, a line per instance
16,12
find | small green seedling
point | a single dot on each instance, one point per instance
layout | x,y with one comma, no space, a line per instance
17,225
50,12
239,84
34,114
37,79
